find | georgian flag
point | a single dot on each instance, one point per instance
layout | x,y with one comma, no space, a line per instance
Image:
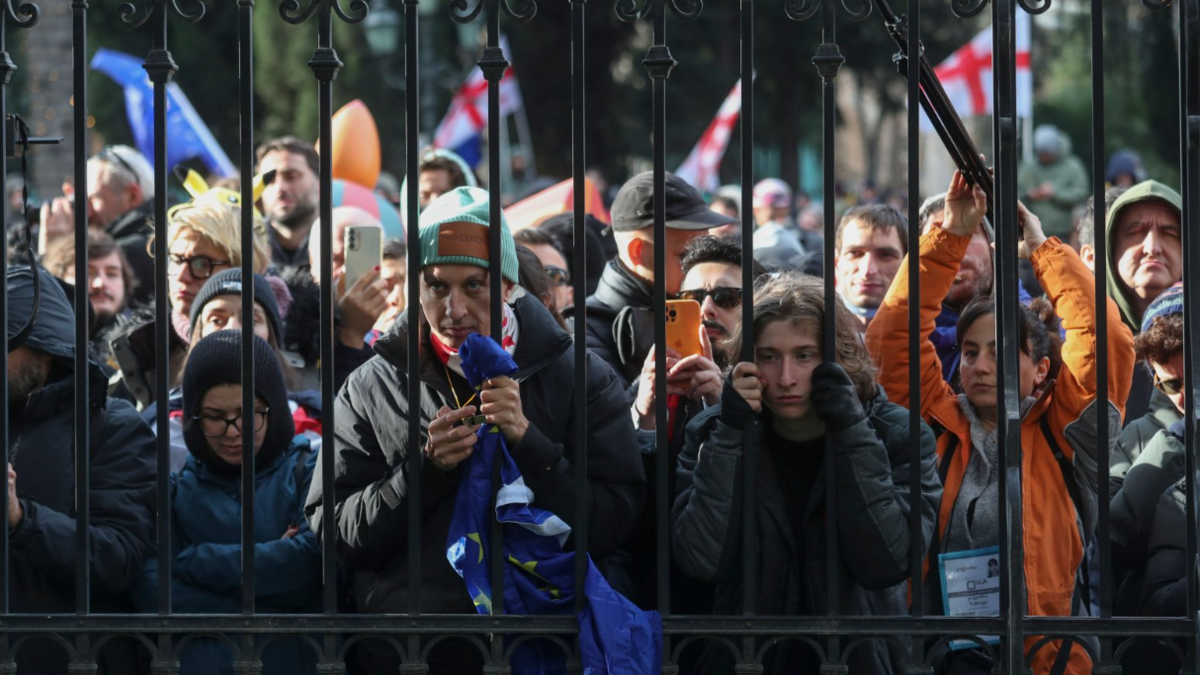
700,167
463,126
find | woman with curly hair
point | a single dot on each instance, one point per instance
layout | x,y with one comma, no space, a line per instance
1058,414
789,404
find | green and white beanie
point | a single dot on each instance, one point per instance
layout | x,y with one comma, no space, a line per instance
454,231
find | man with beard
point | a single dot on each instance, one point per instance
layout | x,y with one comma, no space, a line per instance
41,525
290,200
869,244
974,278
109,279
712,276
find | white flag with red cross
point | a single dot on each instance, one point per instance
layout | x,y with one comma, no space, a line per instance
700,167
468,114
967,75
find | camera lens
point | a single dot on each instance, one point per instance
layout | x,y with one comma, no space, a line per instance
671,314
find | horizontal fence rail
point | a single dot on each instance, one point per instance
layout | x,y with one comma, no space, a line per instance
750,634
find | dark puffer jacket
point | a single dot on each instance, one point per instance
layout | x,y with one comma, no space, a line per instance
1165,591
371,466
873,504
620,322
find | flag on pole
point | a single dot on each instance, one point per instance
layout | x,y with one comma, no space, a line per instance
700,167
966,75
190,138
462,128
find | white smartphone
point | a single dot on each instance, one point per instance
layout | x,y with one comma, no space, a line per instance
364,251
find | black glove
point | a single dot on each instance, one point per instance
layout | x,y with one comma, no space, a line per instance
835,398
735,411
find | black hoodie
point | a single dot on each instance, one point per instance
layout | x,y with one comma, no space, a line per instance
42,452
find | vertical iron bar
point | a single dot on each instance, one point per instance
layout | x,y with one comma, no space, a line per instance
828,61
658,63
749,457
414,457
915,532
325,65
7,68
1189,120
1012,605
159,69
246,152
579,252
1100,246
493,64
82,494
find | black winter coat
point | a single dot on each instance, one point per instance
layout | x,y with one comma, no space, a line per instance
122,482
371,469
131,232
1164,591
620,323
873,504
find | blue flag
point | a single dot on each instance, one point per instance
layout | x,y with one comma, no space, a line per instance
615,636
189,137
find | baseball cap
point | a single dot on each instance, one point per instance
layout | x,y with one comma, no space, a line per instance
772,192
633,209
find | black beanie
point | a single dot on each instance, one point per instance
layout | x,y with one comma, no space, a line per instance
216,360
229,282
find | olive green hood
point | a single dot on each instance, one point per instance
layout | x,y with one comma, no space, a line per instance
1117,289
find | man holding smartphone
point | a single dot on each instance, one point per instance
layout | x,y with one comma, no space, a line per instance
534,410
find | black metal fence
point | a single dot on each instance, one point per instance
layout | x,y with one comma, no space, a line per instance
748,636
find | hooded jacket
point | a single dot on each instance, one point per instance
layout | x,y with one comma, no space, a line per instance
371,466
1069,179
42,451
1054,533
873,503
1118,290
206,549
1165,592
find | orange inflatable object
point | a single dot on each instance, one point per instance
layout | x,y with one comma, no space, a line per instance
556,199
355,145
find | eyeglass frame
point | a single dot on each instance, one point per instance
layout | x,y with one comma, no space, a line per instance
1162,385
180,261
235,421
564,273
110,156
703,294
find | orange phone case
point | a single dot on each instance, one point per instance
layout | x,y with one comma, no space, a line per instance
683,327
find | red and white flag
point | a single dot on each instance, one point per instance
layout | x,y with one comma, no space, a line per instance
468,114
967,75
700,167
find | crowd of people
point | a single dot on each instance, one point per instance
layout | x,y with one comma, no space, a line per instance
787,401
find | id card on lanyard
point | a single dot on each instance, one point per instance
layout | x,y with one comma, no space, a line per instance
971,587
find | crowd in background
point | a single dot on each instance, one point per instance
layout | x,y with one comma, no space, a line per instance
787,401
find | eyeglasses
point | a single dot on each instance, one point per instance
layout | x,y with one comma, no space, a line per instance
558,276
113,157
1170,387
200,266
215,427
724,297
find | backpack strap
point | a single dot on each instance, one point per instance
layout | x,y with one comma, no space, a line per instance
1082,576
943,470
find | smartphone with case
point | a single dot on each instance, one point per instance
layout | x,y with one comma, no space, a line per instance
683,327
364,251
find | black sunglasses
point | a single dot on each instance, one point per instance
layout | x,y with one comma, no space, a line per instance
1169,387
558,276
724,297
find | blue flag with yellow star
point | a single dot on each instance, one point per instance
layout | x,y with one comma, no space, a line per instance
615,636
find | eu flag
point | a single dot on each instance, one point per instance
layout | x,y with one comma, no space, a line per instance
615,636
189,137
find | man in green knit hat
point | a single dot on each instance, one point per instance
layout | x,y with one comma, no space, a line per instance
535,410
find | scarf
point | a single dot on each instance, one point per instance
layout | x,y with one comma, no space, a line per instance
509,328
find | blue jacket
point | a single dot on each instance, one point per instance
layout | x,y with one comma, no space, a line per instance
206,515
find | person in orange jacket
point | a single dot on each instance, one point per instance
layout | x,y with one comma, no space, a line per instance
1058,412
